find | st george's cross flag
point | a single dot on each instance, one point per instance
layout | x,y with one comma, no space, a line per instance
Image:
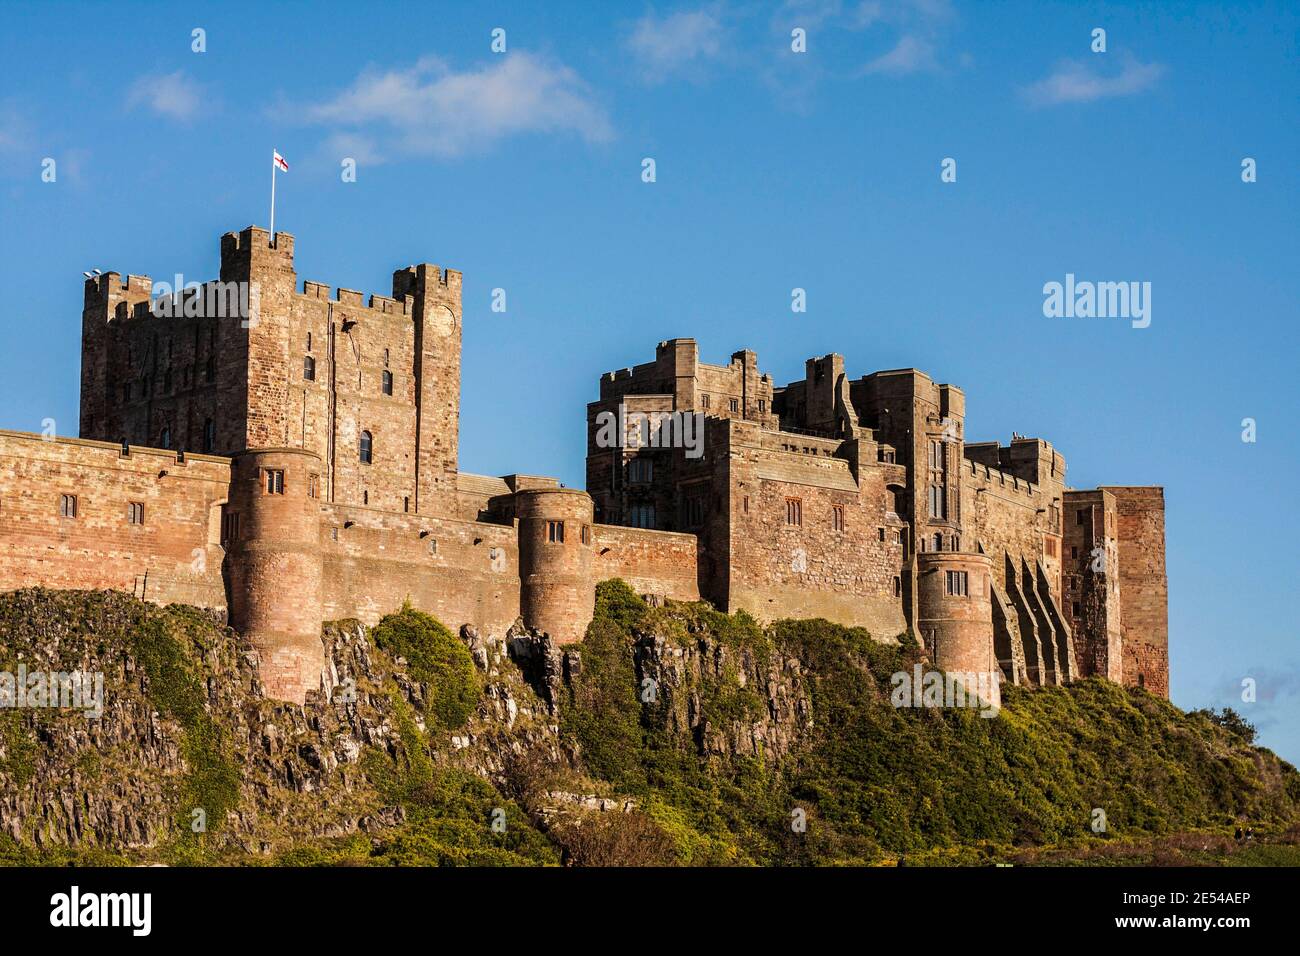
278,162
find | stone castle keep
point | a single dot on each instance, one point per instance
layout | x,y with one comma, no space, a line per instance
299,464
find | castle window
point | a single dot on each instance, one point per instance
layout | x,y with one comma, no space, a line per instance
762,406
898,586
230,526
387,382
406,504
642,516
367,448
837,520
308,341
938,502
135,512
385,358
745,504
1076,608
695,511
555,532
1050,544
794,511
68,506
704,401
365,497
209,435
735,404
955,583
165,439
586,534
956,542
309,368
1074,552
313,486
640,471
1079,516
938,542
899,501
274,481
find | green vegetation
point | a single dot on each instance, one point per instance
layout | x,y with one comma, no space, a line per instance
165,649
437,657
876,782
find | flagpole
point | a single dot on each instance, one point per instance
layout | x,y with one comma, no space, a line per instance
272,197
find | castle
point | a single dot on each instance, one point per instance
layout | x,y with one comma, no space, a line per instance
296,461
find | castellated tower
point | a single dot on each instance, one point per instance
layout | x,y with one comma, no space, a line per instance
434,296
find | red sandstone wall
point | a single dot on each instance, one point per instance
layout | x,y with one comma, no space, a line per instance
651,562
779,570
173,556
1143,586
460,571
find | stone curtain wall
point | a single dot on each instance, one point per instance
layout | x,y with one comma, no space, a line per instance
173,556
461,572
661,563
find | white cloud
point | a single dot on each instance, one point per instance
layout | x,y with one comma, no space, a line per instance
675,45
1077,81
173,95
431,110
911,54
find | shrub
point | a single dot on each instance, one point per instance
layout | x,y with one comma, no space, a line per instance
435,657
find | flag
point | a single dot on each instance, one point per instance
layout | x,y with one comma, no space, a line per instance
278,162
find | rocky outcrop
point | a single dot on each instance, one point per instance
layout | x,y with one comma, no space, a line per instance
730,701
129,778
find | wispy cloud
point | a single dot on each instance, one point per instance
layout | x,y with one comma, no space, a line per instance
172,95
919,27
676,45
911,54
1084,81
432,110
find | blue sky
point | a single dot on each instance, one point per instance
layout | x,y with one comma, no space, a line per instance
774,170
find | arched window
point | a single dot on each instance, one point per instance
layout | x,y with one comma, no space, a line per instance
938,542
308,368
165,439
209,436
367,447
388,382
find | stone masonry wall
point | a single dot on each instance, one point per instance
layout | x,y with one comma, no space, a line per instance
1143,586
172,555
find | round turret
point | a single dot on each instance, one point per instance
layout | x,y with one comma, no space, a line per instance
955,616
274,562
557,593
